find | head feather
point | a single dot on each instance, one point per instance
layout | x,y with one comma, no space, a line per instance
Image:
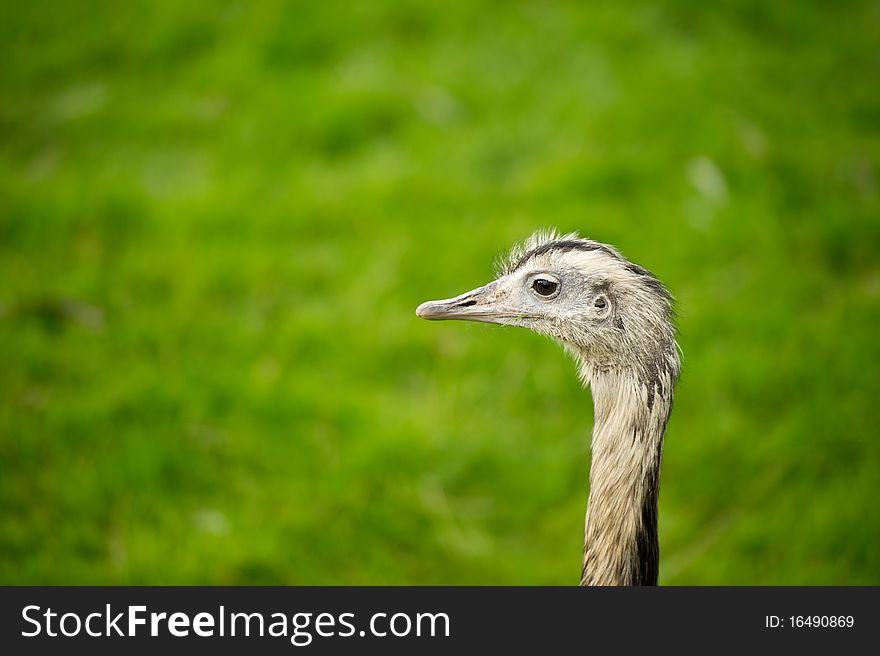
547,239
540,238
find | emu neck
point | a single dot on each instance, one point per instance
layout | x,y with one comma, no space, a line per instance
620,538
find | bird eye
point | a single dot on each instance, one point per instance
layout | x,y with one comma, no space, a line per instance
544,287
600,302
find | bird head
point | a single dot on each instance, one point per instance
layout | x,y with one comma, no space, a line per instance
583,293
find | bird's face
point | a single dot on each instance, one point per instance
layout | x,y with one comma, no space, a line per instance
571,293
612,314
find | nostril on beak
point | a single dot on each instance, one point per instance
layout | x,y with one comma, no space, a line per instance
466,304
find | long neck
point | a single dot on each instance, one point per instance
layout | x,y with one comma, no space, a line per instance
620,538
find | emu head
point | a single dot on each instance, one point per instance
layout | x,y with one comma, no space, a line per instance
612,314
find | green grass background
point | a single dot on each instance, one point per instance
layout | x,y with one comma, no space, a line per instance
217,219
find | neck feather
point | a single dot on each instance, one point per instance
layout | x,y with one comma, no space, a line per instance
620,538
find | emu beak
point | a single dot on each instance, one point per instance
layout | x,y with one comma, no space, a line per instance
477,305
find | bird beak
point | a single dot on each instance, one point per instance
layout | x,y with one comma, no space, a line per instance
480,304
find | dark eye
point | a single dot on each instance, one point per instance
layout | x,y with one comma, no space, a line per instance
544,287
600,302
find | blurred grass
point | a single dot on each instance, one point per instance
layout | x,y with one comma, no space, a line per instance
217,218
